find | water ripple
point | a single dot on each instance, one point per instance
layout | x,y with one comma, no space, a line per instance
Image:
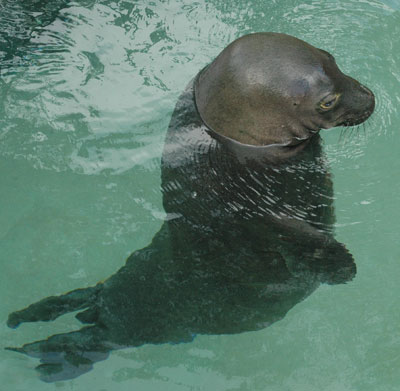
105,68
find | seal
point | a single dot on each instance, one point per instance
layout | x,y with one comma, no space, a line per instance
249,227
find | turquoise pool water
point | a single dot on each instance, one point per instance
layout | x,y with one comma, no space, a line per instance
87,89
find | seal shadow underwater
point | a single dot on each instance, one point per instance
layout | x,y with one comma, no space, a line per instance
249,203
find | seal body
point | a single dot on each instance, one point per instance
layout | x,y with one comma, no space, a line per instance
248,235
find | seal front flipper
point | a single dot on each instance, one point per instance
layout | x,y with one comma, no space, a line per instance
316,251
52,307
327,258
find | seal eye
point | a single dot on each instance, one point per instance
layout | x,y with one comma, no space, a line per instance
329,103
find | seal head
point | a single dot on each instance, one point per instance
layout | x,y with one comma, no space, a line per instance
271,88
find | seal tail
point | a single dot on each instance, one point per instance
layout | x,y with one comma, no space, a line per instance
52,307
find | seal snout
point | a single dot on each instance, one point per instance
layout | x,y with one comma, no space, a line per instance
370,103
359,102
367,90
371,99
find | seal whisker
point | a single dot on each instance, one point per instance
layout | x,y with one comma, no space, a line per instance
357,132
353,131
342,135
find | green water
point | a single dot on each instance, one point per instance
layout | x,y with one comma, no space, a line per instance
86,92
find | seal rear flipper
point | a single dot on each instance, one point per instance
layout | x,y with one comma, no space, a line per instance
67,356
52,307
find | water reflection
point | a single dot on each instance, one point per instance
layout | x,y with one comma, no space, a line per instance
246,238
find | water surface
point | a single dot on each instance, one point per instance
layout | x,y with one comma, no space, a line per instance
87,89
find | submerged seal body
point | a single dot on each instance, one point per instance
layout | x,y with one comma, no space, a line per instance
249,228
